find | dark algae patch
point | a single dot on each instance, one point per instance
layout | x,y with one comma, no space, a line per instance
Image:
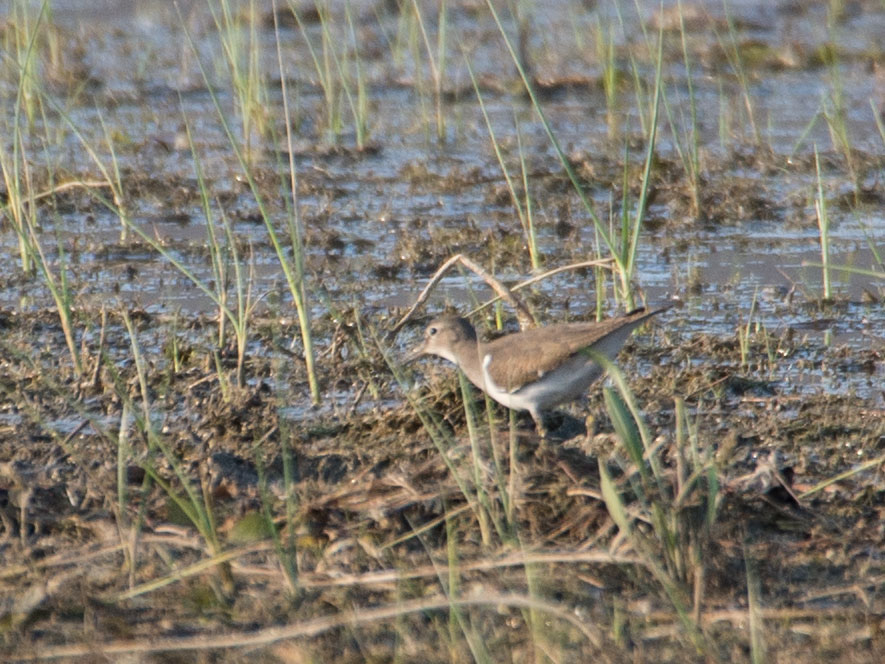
214,217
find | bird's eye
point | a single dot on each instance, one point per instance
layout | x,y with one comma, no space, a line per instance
431,331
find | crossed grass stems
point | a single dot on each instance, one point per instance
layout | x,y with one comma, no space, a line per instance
663,515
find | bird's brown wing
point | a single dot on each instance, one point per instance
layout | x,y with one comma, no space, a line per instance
542,349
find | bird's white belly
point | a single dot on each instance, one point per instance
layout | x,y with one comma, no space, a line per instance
566,383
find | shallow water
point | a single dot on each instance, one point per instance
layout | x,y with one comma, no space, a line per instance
365,212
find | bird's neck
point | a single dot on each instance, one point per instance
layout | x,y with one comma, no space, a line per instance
472,367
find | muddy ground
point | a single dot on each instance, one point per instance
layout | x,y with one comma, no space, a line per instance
160,501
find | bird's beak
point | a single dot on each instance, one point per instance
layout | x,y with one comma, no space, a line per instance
416,353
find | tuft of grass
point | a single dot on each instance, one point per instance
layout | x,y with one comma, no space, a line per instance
823,224
284,539
62,295
522,205
238,30
688,148
744,335
25,37
224,257
436,62
623,250
732,52
195,505
665,517
293,269
340,75
834,106
605,53
21,51
21,205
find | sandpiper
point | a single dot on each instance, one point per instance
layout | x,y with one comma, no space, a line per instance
534,370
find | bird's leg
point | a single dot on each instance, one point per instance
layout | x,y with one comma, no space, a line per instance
590,425
543,433
540,427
